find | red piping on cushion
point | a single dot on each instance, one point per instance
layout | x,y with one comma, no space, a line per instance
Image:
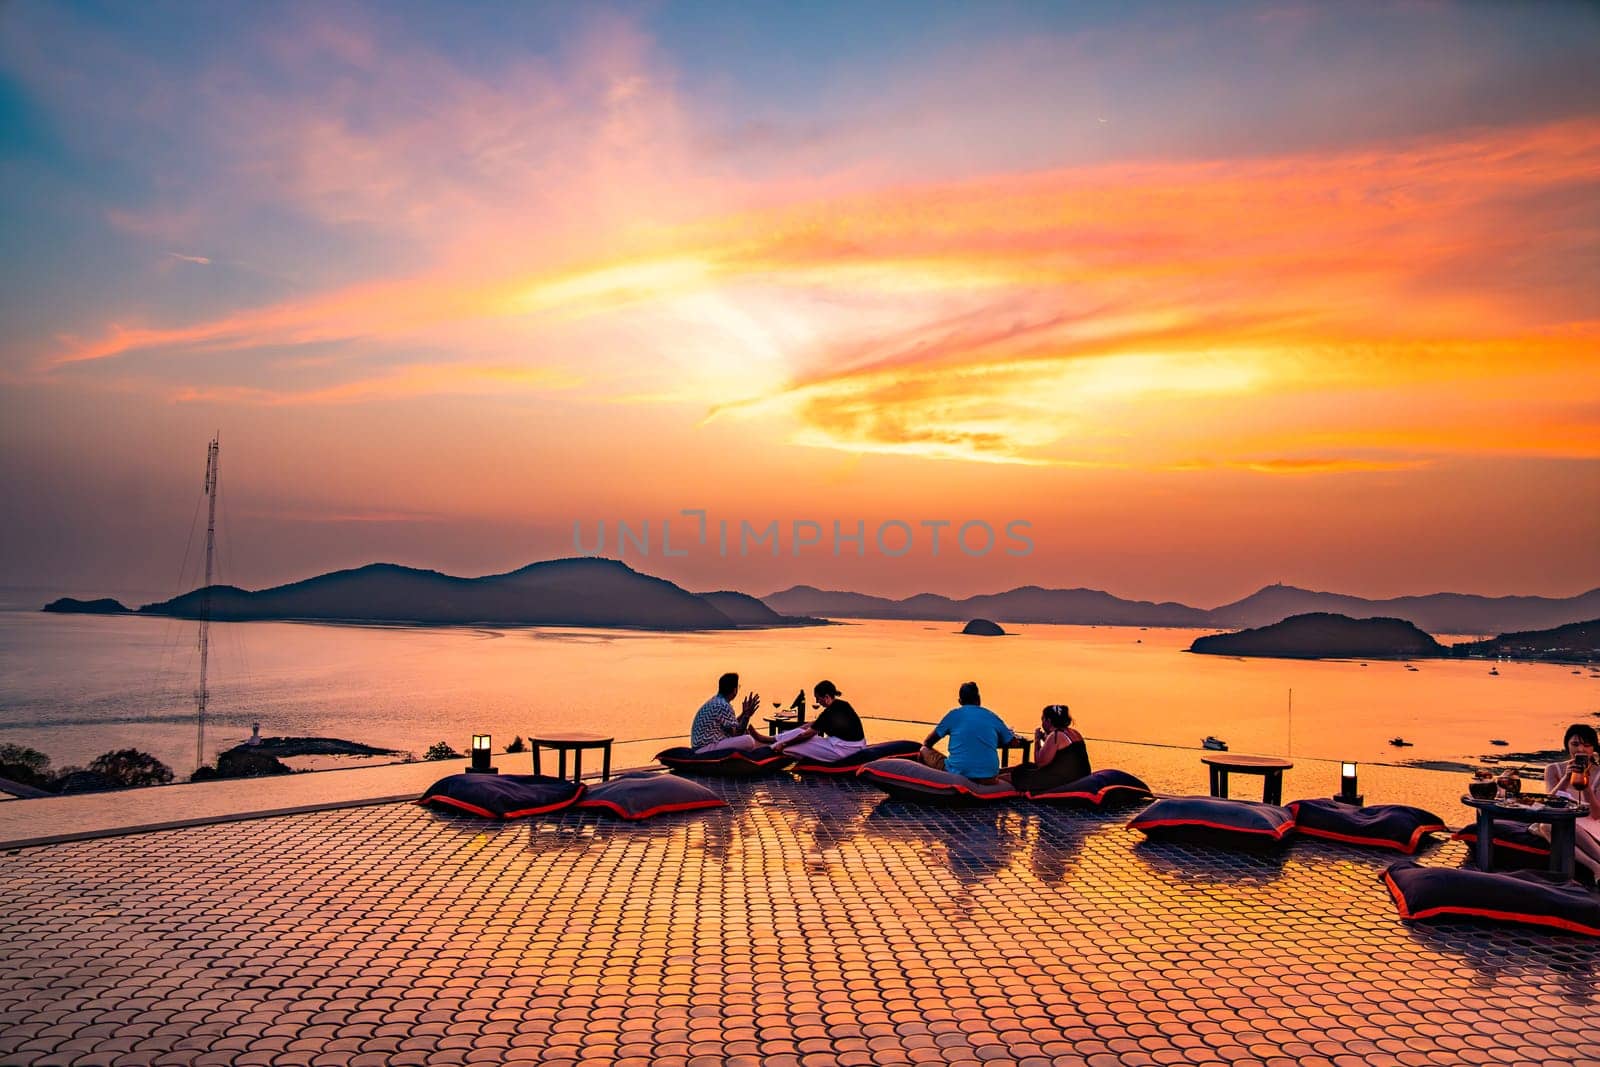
828,768
1486,913
1499,842
462,804
659,809
1278,833
557,806
954,787
1377,842
1097,798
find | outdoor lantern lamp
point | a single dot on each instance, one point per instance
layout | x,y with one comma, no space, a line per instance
1347,783
482,748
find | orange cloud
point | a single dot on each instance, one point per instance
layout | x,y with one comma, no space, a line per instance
1087,316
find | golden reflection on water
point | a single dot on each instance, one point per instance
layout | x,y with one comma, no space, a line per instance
83,685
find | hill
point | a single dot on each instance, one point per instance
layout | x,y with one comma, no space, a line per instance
71,606
1435,613
828,603
1439,613
565,592
1029,603
745,610
1322,634
1577,642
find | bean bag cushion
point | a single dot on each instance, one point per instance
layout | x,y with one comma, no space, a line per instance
1536,898
848,765
907,779
644,796
1513,844
1394,826
1212,821
1099,789
728,763
501,796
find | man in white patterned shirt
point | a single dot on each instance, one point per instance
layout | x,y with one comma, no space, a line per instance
716,728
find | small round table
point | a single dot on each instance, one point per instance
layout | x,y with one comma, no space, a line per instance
1562,829
777,726
574,743
1269,767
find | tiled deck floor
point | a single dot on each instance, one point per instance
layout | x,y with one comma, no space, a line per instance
810,923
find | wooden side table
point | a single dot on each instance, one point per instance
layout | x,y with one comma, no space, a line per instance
1269,767
577,744
1024,743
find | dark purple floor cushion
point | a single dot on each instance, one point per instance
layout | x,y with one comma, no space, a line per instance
1101,788
501,796
648,795
1513,843
1394,826
1211,821
728,763
848,765
1533,897
909,779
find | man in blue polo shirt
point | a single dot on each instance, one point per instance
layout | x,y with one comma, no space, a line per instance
975,733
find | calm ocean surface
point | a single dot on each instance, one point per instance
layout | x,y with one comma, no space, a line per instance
75,687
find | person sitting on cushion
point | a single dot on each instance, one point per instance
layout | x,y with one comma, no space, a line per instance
833,735
1580,740
716,728
975,733
1050,766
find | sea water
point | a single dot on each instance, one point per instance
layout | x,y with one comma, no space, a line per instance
76,686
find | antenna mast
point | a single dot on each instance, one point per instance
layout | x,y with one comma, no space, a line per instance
202,694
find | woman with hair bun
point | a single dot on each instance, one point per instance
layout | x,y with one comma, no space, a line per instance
1055,762
831,736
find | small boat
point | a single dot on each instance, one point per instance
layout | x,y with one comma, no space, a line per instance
1214,744
1497,741
1411,667
1399,742
1494,670
1363,664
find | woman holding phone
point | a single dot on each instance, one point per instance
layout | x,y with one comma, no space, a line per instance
1576,778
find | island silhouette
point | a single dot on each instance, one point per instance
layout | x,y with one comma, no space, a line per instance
584,591
1323,635
596,591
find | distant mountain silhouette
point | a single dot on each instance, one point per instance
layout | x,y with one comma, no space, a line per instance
564,592
809,600
1439,613
72,606
1577,642
1435,613
745,610
1029,603
1323,634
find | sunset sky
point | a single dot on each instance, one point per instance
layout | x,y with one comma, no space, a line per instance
1210,295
